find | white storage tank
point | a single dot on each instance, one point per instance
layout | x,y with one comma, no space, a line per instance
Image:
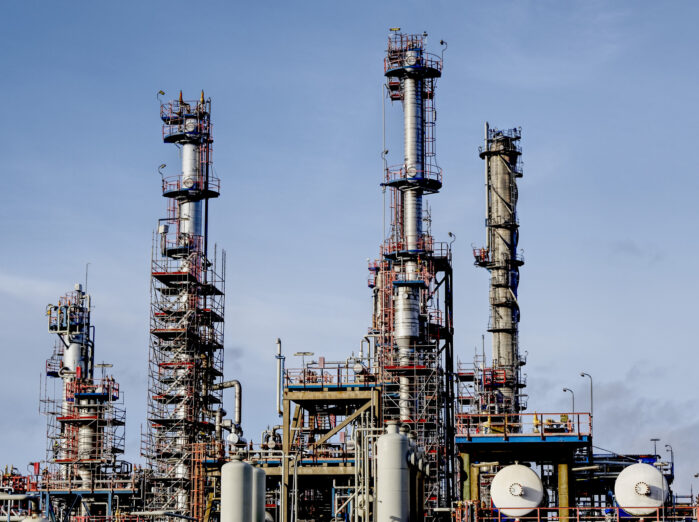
259,487
236,491
516,490
392,476
640,489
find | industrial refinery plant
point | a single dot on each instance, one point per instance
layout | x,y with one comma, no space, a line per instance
402,431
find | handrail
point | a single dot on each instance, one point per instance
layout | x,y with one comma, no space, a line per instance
175,183
397,172
523,424
471,512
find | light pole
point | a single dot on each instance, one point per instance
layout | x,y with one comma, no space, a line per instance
584,374
655,446
572,393
672,458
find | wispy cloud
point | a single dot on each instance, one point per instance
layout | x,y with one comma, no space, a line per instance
29,289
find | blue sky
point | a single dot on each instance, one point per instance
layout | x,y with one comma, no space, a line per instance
606,96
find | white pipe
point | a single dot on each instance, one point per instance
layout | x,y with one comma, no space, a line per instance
233,383
21,496
487,186
280,371
161,513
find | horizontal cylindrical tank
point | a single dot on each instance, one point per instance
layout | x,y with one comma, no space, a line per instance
236,491
640,489
392,476
516,490
259,488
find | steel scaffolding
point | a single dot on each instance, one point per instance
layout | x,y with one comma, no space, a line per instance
85,419
187,311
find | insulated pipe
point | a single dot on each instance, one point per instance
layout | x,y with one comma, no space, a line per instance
361,347
237,413
487,189
466,476
280,372
475,482
15,496
218,431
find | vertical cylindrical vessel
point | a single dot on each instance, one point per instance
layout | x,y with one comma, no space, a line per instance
259,490
392,476
236,491
411,342
190,211
501,154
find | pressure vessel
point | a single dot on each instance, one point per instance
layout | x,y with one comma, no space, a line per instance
236,491
392,476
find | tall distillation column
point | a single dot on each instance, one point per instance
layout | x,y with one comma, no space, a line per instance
411,324
502,154
412,72
85,421
187,308
407,325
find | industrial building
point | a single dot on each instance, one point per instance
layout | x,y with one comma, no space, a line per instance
401,431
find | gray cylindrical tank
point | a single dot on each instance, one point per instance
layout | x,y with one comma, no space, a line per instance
236,491
259,487
392,476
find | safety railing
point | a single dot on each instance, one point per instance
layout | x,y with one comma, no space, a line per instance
422,275
523,424
196,129
53,482
330,453
67,316
481,255
424,359
108,387
115,518
190,117
468,512
425,243
399,172
441,249
330,375
435,317
399,44
176,184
